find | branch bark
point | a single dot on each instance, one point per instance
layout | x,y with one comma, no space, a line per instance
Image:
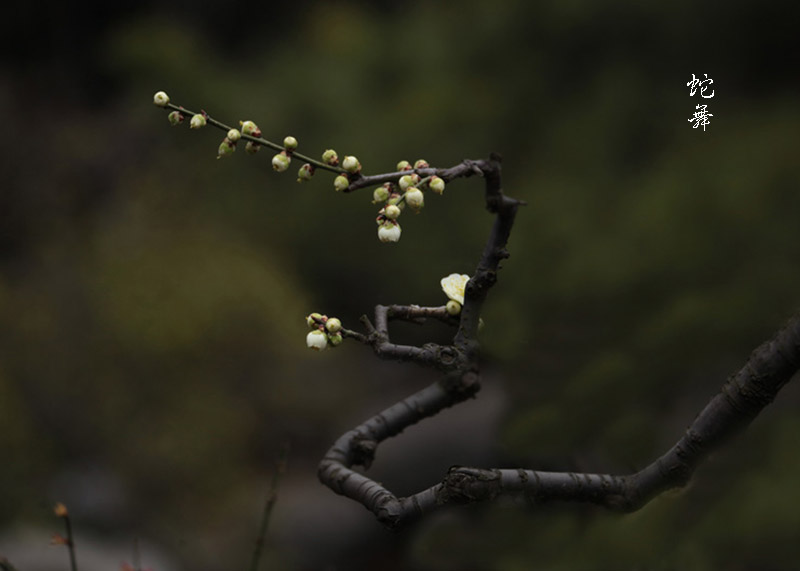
741,399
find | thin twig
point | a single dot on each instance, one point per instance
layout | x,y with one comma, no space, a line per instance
259,140
272,496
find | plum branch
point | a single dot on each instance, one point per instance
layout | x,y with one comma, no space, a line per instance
740,400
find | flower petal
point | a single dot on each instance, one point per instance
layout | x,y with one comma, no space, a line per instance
453,286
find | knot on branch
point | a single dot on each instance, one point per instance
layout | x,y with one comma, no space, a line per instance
467,485
363,450
463,385
446,356
482,281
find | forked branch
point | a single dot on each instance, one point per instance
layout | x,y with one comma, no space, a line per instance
743,396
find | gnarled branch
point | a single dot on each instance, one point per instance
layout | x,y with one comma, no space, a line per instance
742,398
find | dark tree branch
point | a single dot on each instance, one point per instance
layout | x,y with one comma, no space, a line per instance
459,361
465,169
741,399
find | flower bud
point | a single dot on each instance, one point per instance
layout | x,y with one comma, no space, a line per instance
380,194
289,143
330,157
305,173
280,162
391,212
404,166
316,340
421,164
340,183
314,319
351,164
252,147
161,99
335,339
389,231
60,510
436,184
250,128
453,307
226,148
406,181
414,198
175,118
333,325
394,198
198,121
234,135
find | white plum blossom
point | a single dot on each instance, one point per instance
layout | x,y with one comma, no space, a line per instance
316,340
453,286
389,231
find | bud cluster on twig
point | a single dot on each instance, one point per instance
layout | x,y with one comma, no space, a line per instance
406,187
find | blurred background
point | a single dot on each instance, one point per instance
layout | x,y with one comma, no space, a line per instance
152,298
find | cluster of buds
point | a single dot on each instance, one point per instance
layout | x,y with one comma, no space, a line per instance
408,191
228,144
251,129
324,331
282,160
350,164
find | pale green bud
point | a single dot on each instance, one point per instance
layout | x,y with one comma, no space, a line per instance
406,181
414,198
351,164
226,148
394,198
289,143
436,184
391,212
341,182
380,194
333,325
252,147
305,173
453,307
175,118
403,166
280,162
330,157
198,121
421,164
161,99
234,135
314,319
335,339
250,128
316,340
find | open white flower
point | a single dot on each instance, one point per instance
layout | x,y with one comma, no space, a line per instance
453,286
389,231
316,340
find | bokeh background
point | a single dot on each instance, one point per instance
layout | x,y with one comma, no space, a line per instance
152,298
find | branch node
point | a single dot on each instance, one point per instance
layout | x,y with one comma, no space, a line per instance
363,451
463,385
